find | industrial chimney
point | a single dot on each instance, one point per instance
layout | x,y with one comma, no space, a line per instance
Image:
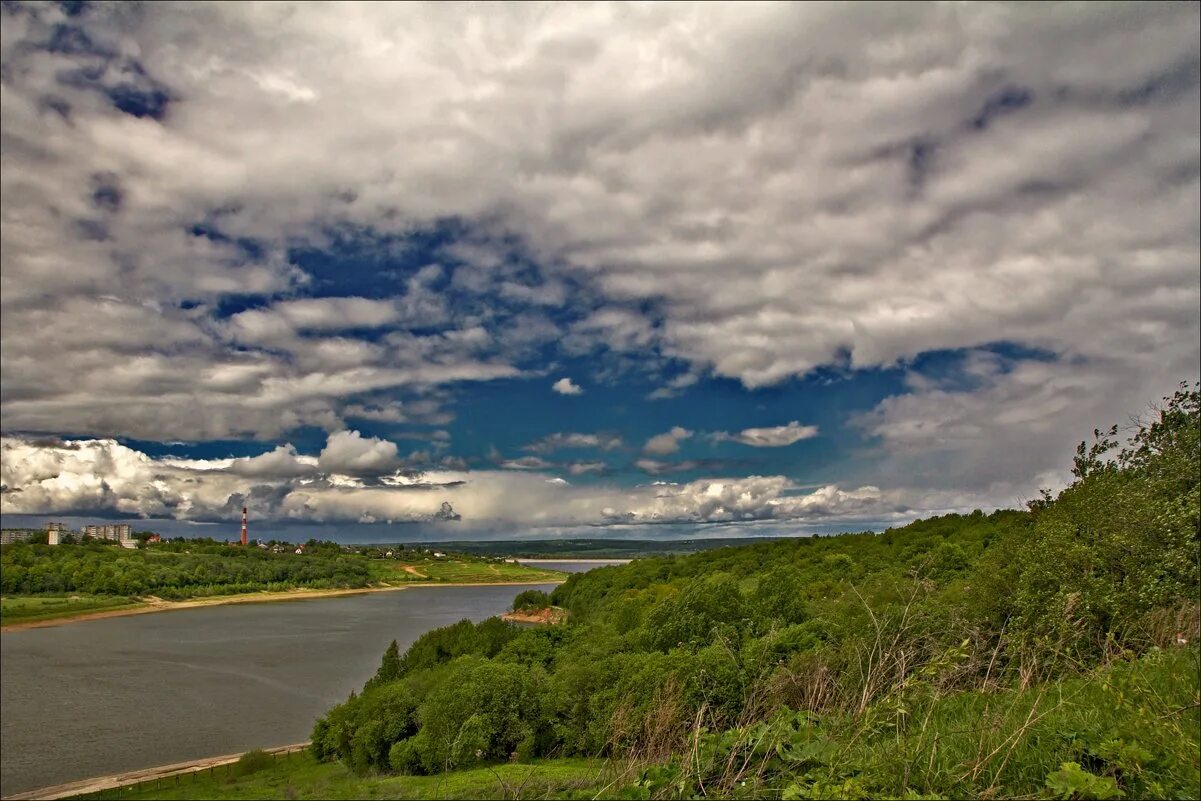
243,526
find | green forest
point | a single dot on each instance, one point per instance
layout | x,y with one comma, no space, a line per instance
43,581
1048,652
172,570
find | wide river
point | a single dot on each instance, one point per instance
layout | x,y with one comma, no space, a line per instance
105,696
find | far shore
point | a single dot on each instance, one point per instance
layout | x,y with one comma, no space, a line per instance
576,561
152,604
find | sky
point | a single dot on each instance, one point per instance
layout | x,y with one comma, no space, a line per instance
406,271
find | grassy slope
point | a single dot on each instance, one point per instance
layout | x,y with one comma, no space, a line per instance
29,608
458,571
1006,743
303,777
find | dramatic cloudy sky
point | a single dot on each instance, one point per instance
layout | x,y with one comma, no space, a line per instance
585,268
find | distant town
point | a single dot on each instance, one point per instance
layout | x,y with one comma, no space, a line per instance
123,534
59,534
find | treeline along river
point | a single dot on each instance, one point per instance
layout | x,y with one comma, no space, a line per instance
105,696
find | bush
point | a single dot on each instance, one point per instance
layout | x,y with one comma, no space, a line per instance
531,601
482,710
689,619
252,762
405,757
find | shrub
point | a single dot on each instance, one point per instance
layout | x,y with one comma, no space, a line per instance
481,710
252,762
689,619
405,757
531,601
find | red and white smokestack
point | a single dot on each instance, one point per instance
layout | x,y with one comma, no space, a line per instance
243,525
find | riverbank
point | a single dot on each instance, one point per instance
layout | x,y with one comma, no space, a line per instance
574,561
296,774
151,604
143,777
542,617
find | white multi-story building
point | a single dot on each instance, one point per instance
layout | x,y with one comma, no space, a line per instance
55,533
117,532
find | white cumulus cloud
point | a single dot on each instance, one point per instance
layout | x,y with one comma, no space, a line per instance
350,453
667,442
565,386
769,437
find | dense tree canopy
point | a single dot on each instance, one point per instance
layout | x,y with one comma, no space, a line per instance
171,570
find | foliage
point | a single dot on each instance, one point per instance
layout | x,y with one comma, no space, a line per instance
464,638
484,711
1072,782
173,571
252,762
389,669
21,609
1126,731
187,568
531,601
1124,538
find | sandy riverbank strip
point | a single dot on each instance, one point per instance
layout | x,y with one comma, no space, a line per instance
544,617
300,594
104,783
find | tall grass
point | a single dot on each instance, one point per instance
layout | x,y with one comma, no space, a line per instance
1133,725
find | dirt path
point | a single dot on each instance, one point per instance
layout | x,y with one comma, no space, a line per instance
102,783
412,571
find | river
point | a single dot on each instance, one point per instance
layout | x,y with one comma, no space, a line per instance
573,565
103,696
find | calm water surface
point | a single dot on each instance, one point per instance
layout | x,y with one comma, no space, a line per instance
105,696
572,565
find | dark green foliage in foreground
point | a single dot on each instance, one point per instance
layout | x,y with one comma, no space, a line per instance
957,656
1127,730
170,572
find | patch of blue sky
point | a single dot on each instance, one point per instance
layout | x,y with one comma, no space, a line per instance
306,439
495,421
